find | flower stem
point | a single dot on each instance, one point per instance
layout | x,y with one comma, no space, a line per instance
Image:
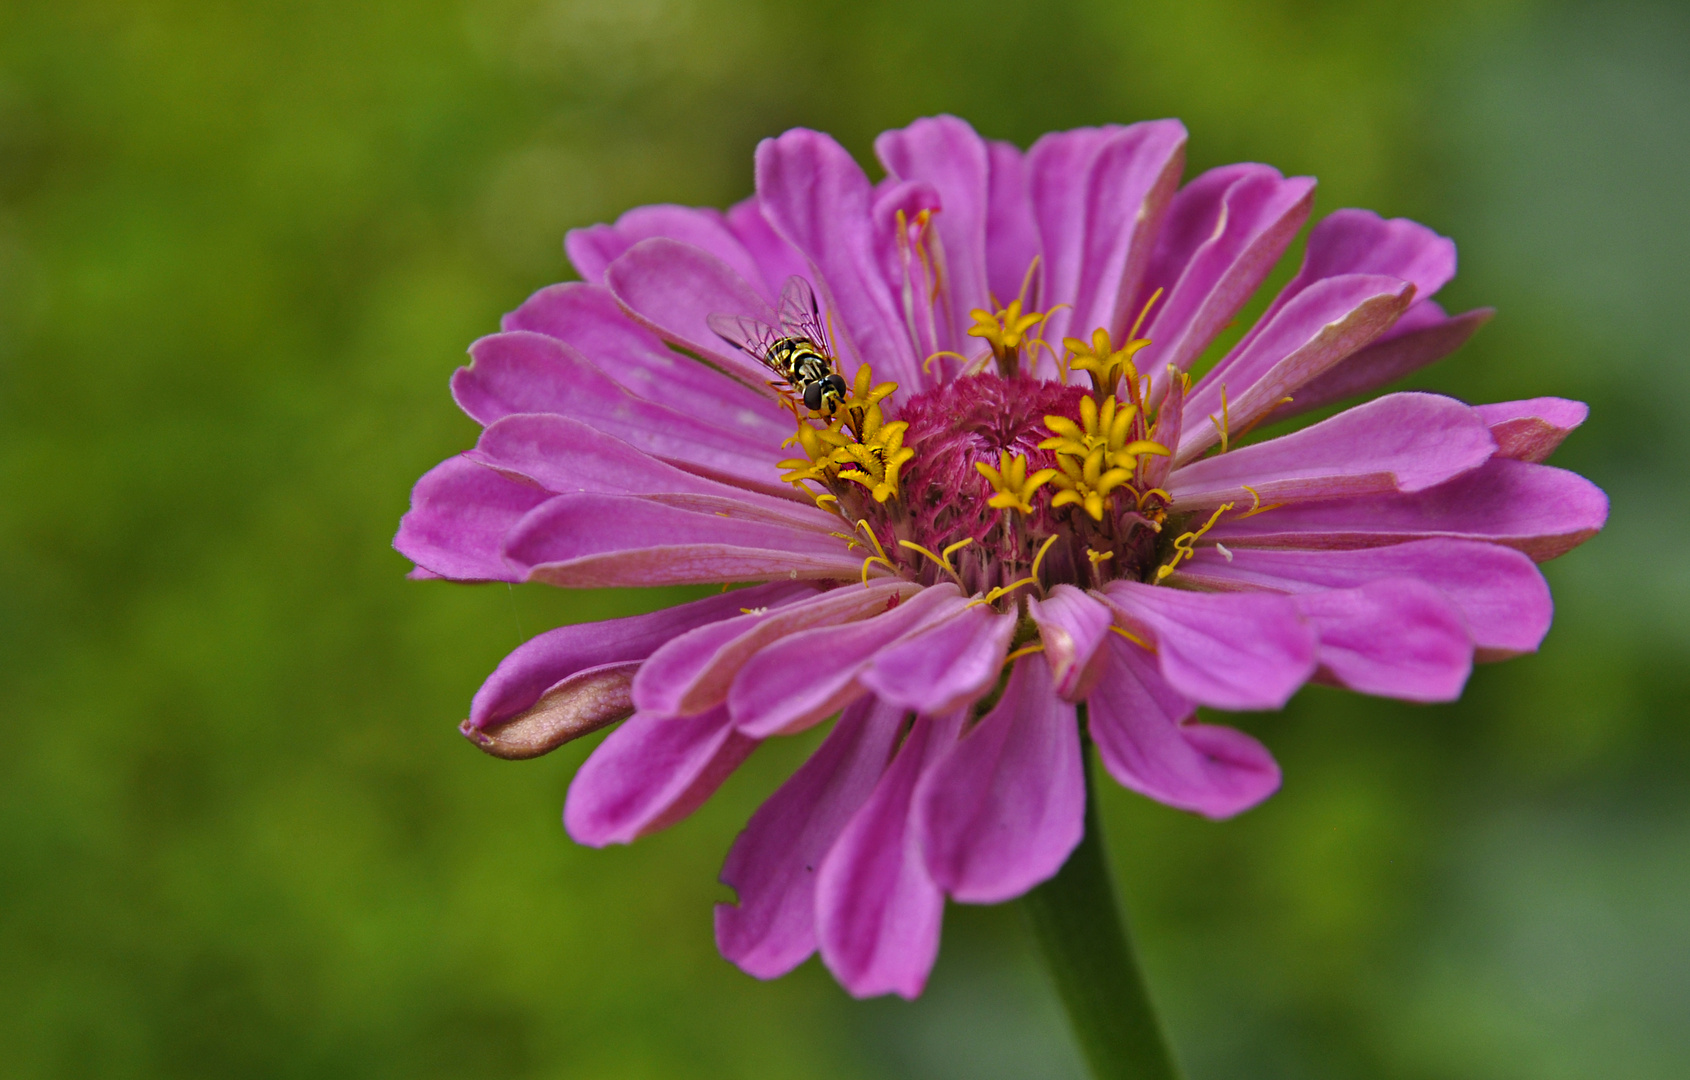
1083,938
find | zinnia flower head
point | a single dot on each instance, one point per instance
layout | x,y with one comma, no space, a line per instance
1015,512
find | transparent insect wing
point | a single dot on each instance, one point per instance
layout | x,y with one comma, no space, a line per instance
800,314
744,332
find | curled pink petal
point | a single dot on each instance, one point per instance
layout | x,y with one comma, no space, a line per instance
1401,442
1228,650
1538,509
1140,725
599,541
946,153
804,677
1100,196
773,866
562,455
673,288
592,250
1531,430
1325,323
944,667
1424,335
460,513
522,372
1071,626
819,200
543,661
877,910
650,773
589,320
1225,231
1003,810
692,673
1012,233
1396,637
1500,592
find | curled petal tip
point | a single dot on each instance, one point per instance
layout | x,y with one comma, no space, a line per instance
577,706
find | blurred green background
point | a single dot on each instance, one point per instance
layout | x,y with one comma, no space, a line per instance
242,246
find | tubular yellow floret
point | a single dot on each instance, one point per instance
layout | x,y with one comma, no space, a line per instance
1013,486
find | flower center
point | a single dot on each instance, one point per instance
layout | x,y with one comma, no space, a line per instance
999,480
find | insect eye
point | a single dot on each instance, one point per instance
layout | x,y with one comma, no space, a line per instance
813,396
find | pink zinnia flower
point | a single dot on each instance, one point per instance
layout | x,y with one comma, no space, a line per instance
1014,503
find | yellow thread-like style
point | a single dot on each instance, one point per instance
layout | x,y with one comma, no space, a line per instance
943,560
927,364
1224,424
1256,507
1038,560
1183,544
1025,650
1132,637
1099,556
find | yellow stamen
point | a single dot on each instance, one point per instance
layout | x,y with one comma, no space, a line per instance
1038,560
1098,556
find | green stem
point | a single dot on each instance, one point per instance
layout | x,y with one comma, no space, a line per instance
1083,937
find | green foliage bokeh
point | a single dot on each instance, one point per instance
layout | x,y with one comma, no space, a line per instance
242,246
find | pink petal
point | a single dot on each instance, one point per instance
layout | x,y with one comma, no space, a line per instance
564,455
692,673
1071,626
877,911
1531,430
1324,323
1058,172
593,250
1139,724
541,662
1422,336
588,318
602,541
1003,810
944,667
1012,233
673,288
772,866
460,513
819,200
650,773
523,372
1500,592
1225,230
946,153
1226,650
1098,248
776,259
1396,637
1362,242
806,676
1400,442
1540,510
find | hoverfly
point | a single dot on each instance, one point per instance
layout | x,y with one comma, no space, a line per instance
798,350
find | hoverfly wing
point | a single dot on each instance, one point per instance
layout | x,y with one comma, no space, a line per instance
744,332
801,315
